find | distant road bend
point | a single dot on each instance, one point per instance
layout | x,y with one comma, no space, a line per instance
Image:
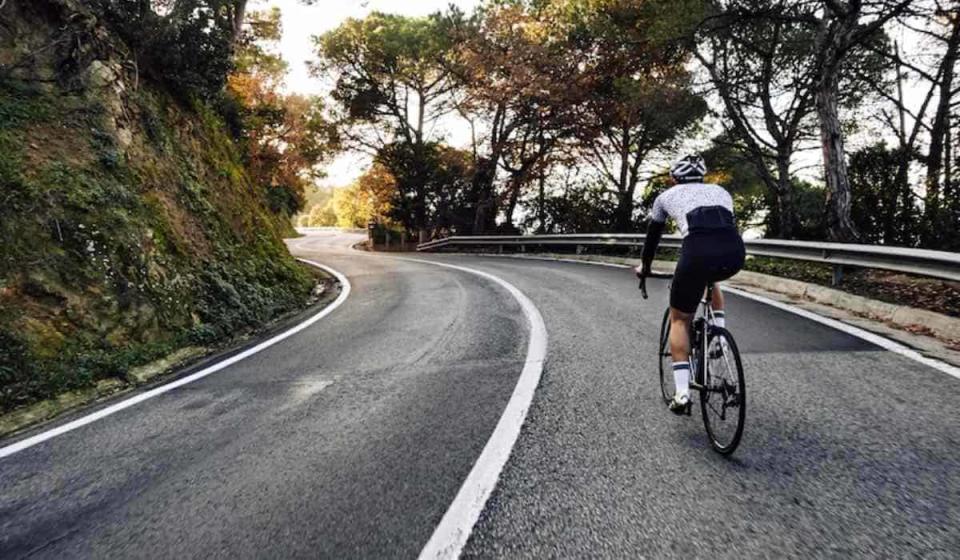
352,437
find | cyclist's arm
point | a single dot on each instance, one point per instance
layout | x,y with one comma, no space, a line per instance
654,233
658,221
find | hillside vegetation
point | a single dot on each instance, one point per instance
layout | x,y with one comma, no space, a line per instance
128,223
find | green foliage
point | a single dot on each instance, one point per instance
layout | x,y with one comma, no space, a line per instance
811,211
816,273
893,218
429,179
732,170
189,49
578,208
114,256
374,56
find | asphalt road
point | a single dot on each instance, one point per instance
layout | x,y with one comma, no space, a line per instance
351,438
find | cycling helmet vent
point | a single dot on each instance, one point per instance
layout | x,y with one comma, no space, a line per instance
689,168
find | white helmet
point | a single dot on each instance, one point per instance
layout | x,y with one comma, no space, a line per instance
688,169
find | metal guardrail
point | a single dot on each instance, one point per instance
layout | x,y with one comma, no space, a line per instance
924,262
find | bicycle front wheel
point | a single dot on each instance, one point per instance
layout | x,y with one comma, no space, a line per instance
723,399
667,386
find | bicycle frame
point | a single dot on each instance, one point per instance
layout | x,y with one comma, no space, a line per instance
700,338
699,330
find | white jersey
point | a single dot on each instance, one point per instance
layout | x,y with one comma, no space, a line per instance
679,200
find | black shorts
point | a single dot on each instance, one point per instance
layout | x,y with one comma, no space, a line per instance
706,257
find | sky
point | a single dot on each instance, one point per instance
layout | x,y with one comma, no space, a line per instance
301,23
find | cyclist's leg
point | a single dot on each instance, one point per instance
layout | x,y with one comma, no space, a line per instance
679,335
680,351
685,293
717,304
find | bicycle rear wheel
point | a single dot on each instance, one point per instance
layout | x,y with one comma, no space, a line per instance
723,399
667,386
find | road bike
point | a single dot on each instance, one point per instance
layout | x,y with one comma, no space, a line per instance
717,373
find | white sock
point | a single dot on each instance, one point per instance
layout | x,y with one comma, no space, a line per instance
681,378
720,319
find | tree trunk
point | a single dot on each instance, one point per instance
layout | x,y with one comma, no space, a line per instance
938,133
541,203
623,215
786,199
486,207
948,158
239,15
840,226
514,198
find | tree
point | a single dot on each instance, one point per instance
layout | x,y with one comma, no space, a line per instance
575,207
392,80
764,64
638,97
442,177
938,170
368,199
737,172
322,215
519,88
632,117
286,137
760,70
840,28
893,217
931,66
185,44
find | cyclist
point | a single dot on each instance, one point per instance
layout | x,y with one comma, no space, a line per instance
712,251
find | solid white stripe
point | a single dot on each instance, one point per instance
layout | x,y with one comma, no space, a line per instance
114,408
451,534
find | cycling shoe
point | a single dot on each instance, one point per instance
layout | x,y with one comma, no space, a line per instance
681,405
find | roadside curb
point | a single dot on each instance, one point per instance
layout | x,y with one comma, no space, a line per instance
941,326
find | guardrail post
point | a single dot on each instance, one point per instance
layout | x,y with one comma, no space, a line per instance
500,249
837,275
579,249
523,248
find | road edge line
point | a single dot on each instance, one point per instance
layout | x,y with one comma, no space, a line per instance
454,530
146,395
876,339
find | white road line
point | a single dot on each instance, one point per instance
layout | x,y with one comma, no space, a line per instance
114,408
882,342
451,534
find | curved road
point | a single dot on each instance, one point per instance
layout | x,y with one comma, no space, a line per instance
351,438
